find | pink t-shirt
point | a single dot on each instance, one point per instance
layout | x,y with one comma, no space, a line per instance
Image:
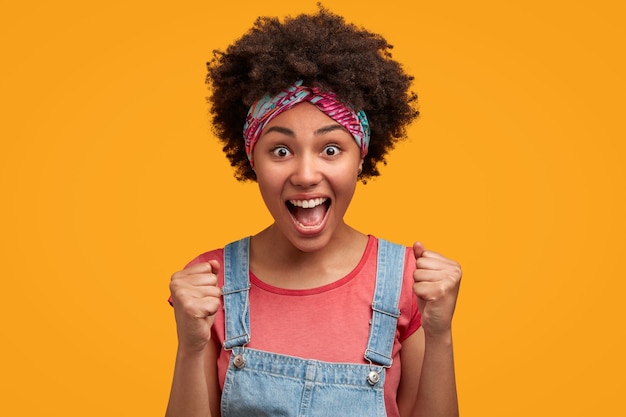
328,323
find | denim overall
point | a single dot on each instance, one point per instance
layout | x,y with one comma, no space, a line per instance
261,383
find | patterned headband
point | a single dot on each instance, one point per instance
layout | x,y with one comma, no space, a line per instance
268,107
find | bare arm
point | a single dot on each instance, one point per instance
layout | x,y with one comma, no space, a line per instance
195,390
428,384
437,395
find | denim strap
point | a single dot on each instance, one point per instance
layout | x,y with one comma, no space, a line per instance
236,293
389,276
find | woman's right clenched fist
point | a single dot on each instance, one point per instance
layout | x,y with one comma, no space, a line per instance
196,298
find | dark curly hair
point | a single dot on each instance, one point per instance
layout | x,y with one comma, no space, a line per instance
324,51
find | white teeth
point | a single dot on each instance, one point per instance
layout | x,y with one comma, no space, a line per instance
314,202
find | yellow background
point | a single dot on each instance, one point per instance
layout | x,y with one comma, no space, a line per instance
111,180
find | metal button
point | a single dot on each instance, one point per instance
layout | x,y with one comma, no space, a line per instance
373,378
239,362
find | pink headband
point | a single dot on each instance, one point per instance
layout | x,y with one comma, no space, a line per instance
268,107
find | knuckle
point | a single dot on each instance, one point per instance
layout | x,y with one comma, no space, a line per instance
174,286
442,289
214,305
188,305
182,304
455,273
458,270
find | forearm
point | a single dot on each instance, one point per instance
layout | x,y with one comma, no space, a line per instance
437,396
189,394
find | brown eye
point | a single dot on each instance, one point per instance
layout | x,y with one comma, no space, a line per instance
331,150
281,152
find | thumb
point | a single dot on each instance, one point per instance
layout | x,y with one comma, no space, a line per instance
215,266
418,249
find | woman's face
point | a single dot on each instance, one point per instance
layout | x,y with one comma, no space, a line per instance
307,166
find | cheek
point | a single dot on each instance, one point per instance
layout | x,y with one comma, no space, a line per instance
264,175
270,188
345,182
266,188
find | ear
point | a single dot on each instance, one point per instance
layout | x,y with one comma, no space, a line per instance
360,167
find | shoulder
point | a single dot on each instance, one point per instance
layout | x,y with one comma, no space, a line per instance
214,254
409,259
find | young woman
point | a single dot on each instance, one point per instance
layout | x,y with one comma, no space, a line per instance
310,317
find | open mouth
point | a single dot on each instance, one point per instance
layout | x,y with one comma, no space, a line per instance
309,213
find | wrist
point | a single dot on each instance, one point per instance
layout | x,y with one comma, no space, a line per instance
192,351
440,337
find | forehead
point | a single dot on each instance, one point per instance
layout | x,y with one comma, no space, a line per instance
302,114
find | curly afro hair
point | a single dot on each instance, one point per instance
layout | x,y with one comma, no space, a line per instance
324,51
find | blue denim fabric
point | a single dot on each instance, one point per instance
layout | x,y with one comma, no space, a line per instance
267,384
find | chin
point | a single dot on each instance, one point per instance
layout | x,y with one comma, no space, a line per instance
309,244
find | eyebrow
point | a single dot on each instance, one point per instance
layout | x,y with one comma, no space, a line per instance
322,130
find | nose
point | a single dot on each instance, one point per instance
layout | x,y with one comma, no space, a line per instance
307,171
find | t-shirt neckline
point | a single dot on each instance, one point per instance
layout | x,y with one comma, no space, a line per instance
256,282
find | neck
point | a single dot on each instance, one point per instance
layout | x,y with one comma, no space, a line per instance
276,261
